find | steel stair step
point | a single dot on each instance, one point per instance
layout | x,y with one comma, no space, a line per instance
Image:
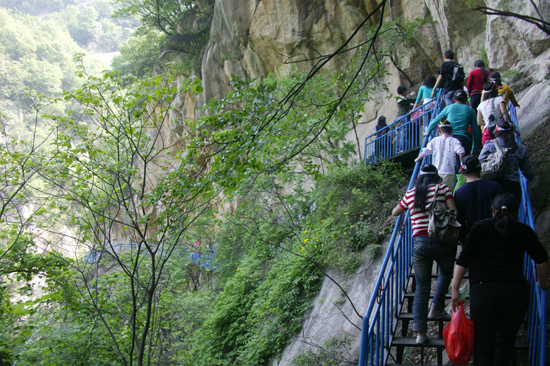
406,364
438,343
447,296
410,316
435,275
411,342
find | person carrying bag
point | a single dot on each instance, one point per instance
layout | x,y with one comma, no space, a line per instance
494,165
443,225
458,336
494,254
426,249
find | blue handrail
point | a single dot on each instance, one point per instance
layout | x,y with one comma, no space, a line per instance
202,257
380,319
402,135
537,316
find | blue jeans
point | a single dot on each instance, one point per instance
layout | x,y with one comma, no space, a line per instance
402,134
425,251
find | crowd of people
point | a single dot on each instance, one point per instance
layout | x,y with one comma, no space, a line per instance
492,241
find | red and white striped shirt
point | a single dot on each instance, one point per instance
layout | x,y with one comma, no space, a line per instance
420,219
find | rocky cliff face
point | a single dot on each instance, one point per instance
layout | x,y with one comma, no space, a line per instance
251,38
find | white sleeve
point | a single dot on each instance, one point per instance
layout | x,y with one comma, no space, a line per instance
428,150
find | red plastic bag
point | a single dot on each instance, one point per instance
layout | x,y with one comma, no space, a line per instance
458,336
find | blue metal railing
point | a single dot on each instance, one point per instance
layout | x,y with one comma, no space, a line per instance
380,319
536,316
202,257
402,135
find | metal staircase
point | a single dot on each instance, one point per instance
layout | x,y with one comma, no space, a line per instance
389,312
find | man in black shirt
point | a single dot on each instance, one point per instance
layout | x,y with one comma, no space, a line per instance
474,198
453,74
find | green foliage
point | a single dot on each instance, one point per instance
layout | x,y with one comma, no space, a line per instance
258,311
260,146
111,36
21,268
509,75
35,7
179,25
352,204
483,56
80,23
161,15
38,55
275,247
138,55
101,151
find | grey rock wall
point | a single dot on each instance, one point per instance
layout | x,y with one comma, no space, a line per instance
252,38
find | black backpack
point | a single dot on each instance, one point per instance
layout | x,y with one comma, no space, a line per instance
458,73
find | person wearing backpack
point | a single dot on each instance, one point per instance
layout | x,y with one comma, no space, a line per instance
516,157
491,110
454,76
418,200
477,78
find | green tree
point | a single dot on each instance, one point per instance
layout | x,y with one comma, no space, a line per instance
36,7
162,15
81,23
111,36
138,55
105,186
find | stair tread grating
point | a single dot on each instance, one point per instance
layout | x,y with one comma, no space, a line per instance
439,343
410,316
411,294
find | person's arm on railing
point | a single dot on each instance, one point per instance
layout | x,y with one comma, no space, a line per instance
398,210
504,111
544,271
433,124
437,83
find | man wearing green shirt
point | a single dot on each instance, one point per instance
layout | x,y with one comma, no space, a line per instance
461,117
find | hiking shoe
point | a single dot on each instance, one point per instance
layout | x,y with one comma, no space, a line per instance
421,338
435,314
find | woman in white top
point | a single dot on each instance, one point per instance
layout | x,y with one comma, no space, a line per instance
491,110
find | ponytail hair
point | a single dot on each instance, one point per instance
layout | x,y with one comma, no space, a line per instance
505,130
428,175
481,64
490,91
506,208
